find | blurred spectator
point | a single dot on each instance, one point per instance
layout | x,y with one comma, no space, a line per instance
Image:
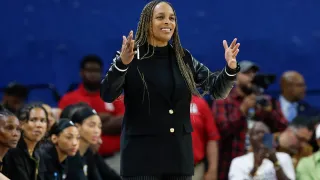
309,167
294,140
64,140
232,114
9,132
205,138
14,97
262,162
89,125
51,116
293,90
110,113
89,90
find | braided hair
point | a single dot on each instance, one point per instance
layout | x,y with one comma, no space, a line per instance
142,34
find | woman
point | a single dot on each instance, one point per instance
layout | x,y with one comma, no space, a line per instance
158,79
51,117
9,133
24,162
89,125
65,142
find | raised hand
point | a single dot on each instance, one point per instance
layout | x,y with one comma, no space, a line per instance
127,52
231,53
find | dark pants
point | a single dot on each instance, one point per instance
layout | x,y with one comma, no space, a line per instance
158,178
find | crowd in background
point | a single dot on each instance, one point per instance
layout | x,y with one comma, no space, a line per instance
80,139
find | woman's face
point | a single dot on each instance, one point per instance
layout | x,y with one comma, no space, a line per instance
9,131
35,128
90,129
51,117
67,141
163,24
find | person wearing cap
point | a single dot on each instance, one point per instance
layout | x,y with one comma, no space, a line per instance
64,137
309,167
233,114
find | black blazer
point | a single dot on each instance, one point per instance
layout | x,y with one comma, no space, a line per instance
18,164
156,132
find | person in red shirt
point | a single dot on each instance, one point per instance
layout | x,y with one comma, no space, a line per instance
110,113
205,138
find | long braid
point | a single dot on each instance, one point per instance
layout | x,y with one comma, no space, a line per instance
142,34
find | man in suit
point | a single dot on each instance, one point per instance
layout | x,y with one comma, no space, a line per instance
293,90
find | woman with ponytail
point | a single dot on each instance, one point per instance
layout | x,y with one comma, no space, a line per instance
64,137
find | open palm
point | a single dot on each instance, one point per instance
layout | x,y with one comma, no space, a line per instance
231,53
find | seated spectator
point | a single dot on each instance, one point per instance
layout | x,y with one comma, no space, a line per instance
24,162
51,116
91,164
294,140
14,97
89,125
9,134
293,90
261,163
309,167
64,137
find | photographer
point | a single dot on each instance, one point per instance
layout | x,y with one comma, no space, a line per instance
232,115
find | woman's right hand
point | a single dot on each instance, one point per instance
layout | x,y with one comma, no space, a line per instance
127,52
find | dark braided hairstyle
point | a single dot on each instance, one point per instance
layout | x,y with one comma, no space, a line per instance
142,34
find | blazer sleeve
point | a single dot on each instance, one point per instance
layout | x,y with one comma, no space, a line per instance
112,83
218,84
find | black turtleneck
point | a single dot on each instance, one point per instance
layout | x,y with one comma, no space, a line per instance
162,60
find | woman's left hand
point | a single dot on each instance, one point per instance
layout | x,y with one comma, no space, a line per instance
231,53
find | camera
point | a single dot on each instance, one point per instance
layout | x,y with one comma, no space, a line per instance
263,81
260,83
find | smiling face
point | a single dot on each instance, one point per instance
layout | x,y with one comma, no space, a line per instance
163,24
